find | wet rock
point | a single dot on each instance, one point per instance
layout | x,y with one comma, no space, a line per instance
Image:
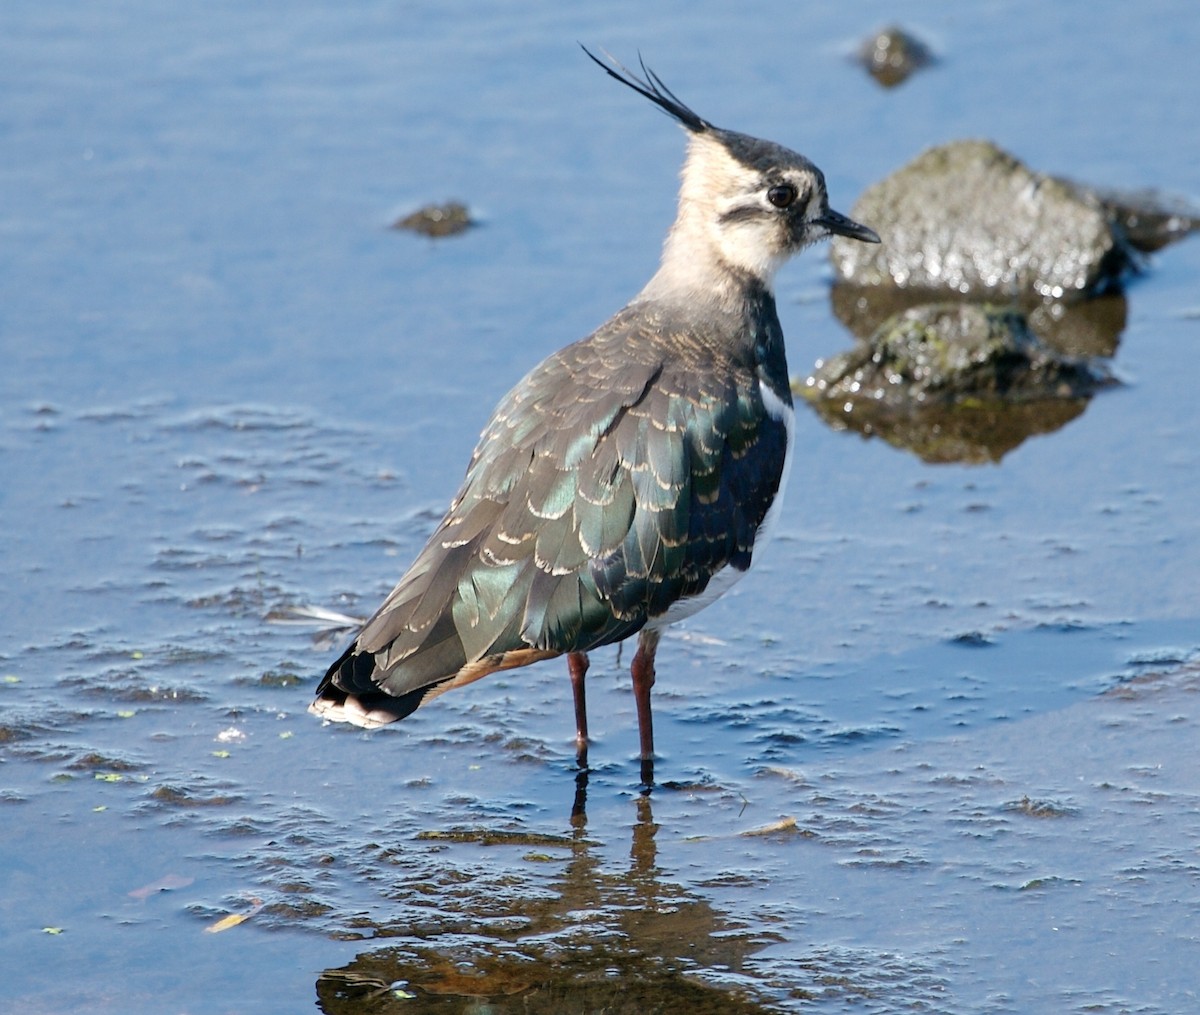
447,219
11,734
495,837
1034,808
294,912
94,761
1084,329
952,351
892,55
274,678
968,219
133,688
1150,219
187,796
952,382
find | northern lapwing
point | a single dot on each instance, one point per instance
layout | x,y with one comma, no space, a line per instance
629,479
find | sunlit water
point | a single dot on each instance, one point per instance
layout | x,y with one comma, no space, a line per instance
936,754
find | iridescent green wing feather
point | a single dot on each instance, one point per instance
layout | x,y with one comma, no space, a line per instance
612,481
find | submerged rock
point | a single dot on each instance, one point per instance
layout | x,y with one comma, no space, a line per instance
952,382
437,220
892,55
968,219
1149,218
1080,329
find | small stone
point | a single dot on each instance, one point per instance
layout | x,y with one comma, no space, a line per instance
447,219
892,55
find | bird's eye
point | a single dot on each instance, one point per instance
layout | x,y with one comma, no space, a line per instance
782,195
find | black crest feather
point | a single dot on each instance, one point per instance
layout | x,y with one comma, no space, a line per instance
651,86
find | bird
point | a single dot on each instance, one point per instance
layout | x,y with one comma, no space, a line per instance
630,478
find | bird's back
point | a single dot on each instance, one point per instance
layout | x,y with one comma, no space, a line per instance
613,482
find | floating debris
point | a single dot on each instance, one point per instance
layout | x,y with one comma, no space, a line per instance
226,922
167,883
787,824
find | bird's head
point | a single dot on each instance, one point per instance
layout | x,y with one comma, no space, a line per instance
745,205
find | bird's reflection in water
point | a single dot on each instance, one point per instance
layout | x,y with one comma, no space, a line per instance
592,938
582,771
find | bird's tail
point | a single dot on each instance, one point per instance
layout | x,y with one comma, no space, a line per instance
369,709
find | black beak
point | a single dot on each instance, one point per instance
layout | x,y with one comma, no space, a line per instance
838,223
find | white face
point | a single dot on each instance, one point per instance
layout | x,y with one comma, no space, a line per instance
754,219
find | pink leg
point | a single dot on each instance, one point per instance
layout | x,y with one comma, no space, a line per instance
642,672
577,666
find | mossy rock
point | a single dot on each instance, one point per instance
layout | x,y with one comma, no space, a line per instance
946,352
952,382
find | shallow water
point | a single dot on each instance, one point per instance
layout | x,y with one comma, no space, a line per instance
937,754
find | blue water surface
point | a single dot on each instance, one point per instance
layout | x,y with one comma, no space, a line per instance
936,754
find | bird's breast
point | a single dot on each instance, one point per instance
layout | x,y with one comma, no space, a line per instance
723,580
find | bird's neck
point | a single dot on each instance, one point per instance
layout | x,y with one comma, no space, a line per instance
698,267
721,307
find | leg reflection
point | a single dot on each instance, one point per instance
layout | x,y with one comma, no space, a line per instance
579,805
647,776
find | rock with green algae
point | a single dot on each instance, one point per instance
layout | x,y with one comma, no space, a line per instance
1079,328
953,382
947,352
